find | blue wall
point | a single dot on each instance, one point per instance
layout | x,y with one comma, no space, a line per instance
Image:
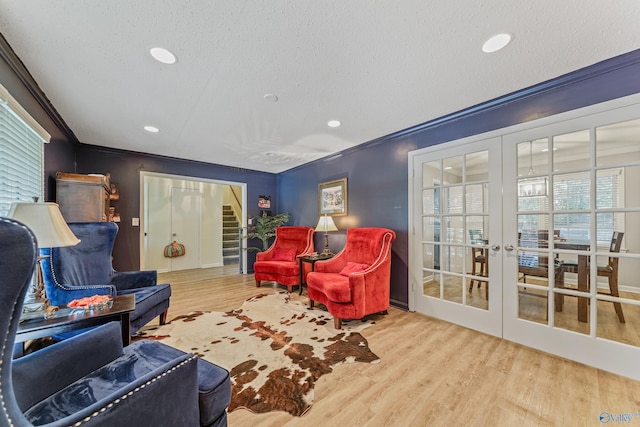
377,172
124,168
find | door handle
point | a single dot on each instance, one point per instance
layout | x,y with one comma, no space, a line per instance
509,248
495,247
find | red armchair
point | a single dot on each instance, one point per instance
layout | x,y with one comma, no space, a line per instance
356,282
279,262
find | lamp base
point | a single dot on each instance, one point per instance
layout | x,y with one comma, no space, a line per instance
326,250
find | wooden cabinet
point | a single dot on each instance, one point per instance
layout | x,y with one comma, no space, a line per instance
83,198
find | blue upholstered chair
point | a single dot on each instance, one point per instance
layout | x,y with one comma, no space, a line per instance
90,379
85,270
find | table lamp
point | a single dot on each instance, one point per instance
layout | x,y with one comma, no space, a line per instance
51,230
326,224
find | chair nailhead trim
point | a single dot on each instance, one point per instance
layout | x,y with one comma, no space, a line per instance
4,343
132,392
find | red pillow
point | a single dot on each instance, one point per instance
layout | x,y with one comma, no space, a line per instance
353,267
284,255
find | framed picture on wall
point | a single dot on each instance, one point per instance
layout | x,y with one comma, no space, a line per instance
264,202
332,197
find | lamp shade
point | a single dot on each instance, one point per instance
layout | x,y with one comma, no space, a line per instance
46,222
325,224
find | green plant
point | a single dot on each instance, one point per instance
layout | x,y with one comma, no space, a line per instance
265,229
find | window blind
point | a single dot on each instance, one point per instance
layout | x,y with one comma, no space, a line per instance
573,194
21,154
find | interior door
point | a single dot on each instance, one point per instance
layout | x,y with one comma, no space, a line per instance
560,197
185,226
569,189
456,217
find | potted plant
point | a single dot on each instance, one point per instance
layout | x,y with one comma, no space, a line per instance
265,229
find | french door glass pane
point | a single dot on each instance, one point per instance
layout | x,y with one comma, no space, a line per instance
533,157
431,174
620,332
572,191
430,201
452,259
452,200
430,227
452,169
476,167
477,230
532,304
571,151
477,198
431,284
618,143
453,288
452,229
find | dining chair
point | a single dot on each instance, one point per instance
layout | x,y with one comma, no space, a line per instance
608,270
539,265
479,260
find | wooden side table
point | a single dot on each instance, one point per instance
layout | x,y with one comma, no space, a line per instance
311,259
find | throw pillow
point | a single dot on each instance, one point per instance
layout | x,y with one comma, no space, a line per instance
353,267
284,255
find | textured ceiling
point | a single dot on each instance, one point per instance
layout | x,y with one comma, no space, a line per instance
379,67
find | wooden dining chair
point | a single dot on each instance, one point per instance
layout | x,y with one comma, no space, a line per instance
608,270
479,260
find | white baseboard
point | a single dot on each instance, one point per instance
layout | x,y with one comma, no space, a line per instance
214,264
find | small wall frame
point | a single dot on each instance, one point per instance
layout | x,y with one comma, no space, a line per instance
332,197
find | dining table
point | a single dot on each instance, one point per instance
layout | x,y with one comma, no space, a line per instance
582,271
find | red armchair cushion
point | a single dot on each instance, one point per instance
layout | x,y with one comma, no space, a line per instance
280,254
333,285
353,267
284,268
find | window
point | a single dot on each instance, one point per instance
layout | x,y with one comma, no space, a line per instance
572,192
21,154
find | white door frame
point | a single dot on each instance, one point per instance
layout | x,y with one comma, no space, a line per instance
143,199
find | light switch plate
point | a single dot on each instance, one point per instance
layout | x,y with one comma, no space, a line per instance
135,222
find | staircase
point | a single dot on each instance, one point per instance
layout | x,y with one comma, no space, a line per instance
230,242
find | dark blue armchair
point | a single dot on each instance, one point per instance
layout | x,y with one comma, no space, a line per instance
85,270
90,379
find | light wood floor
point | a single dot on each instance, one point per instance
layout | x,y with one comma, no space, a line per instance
432,373
532,306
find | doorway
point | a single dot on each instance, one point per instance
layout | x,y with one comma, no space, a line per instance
542,221
194,212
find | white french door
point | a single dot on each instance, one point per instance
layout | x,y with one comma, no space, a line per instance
457,234
568,187
544,203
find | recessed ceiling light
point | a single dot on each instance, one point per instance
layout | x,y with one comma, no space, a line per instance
334,123
151,129
496,43
163,55
270,97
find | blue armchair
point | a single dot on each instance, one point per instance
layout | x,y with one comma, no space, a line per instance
85,269
90,379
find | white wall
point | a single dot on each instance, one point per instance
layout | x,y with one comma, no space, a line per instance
158,222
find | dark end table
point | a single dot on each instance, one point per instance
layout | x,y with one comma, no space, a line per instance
311,259
74,319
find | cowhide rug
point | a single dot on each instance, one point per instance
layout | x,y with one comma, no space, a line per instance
274,347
